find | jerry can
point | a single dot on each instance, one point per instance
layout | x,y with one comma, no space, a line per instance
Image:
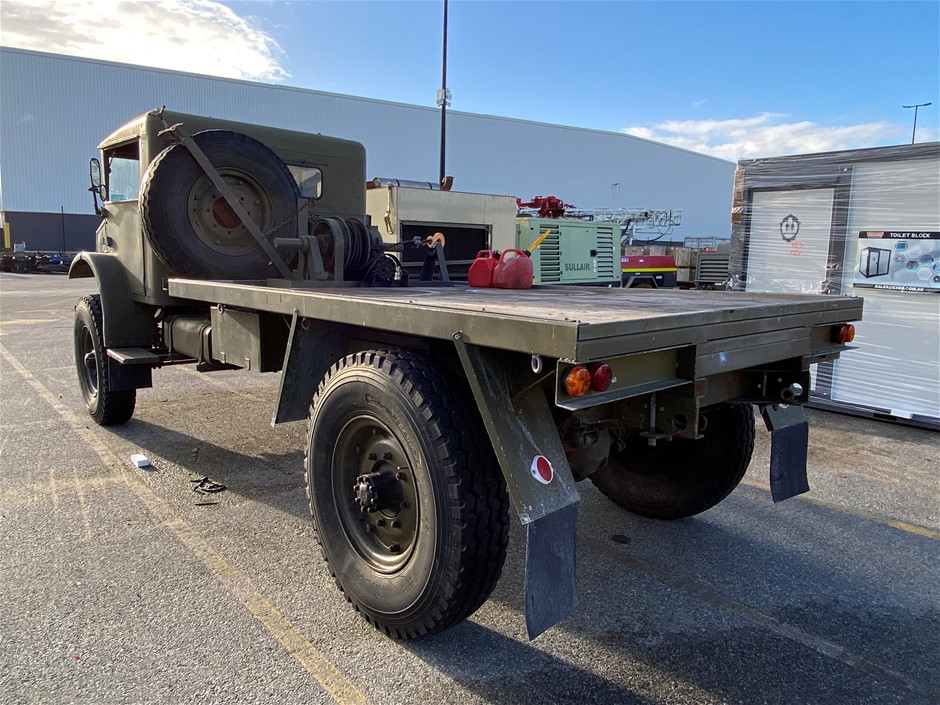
481,271
514,271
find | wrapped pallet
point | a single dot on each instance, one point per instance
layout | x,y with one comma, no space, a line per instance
863,223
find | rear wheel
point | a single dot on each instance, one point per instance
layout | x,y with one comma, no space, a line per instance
105,406
681,477
407,499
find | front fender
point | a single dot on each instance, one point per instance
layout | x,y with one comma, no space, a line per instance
125,323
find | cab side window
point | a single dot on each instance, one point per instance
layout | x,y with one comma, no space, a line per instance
123,172
309,179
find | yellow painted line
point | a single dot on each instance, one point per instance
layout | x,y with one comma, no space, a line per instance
80,493
861,513
325,672
27,321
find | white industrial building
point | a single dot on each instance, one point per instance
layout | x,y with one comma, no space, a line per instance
55,109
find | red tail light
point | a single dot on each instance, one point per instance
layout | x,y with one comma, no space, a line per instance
601,377
843,334
580,380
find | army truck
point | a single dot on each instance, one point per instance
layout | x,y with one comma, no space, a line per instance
434,410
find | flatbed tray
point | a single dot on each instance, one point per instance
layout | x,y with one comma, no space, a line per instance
574,323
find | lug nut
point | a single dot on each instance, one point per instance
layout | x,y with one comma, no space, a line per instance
372,456
395,548
386,456
399,476
396,524
381,522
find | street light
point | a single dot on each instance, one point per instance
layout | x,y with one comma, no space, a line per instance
919,105
443,96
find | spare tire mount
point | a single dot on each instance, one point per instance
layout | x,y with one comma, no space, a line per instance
230,199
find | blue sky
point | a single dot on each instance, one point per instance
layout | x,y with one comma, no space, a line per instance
734,79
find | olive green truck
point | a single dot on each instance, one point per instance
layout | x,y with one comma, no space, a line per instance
434,410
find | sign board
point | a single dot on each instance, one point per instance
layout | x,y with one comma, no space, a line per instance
898,260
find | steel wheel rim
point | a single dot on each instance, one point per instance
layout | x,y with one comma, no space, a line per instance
216,224
384,539
88,363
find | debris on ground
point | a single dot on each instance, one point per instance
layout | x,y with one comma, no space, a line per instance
206,486
140,461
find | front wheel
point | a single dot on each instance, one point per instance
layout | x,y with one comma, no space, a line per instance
105,406
680,477
407,498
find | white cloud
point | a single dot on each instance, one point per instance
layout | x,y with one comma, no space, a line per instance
199,36
767,135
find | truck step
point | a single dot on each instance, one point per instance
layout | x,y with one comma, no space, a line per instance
133,356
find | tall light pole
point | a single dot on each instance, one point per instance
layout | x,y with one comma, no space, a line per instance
443,95
919,105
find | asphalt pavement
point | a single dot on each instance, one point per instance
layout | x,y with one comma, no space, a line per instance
122,585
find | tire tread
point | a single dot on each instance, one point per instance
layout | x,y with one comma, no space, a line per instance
724,472
481,516
113,407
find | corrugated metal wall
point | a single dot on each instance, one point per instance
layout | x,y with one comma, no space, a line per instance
55,109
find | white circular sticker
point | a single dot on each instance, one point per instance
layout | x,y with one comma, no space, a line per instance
542,469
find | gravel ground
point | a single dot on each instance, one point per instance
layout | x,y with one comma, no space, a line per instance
119,586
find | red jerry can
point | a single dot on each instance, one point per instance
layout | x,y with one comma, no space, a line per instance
514,271
481,271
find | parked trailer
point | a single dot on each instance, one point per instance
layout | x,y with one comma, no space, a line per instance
432,408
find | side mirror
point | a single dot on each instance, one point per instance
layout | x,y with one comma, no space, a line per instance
97,185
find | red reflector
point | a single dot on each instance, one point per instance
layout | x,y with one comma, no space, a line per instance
577,381
601,377
844,333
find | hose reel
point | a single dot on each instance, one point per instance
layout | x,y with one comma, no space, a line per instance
334,249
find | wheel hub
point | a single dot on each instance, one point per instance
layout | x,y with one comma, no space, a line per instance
90,362
378,491
214,220
376,494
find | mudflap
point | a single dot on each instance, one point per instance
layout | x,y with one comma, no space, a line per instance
525,439
789,441
312,348
551,590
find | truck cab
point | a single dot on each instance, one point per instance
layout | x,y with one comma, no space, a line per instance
329,174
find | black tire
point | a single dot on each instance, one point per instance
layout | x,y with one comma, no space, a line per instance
190,225
679,478
105,406
378,413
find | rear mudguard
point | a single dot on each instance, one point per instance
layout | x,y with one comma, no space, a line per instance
520,427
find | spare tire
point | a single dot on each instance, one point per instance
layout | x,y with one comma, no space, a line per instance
190,225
